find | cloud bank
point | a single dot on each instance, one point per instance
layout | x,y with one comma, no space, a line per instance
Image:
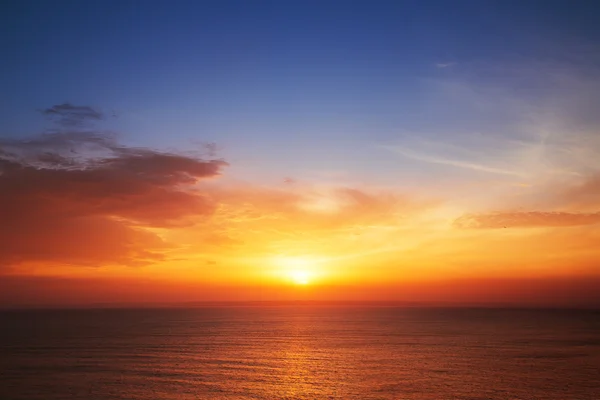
81,198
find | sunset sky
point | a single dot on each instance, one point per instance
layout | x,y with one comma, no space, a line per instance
426,151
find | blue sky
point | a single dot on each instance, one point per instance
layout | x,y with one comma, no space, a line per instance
389,92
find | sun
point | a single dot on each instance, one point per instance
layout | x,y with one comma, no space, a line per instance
300,277
298,270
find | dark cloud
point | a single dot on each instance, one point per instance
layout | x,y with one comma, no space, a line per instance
69,115
57,148
82,198
526,219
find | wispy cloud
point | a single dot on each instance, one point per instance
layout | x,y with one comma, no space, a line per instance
528,219
434,159
69,115
445,64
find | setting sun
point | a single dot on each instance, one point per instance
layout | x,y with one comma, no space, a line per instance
299,270
300,277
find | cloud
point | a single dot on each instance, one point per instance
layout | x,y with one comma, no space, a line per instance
68,115
528,219
307,207
445,64
83,199
257,221
534,119
585,195
454,162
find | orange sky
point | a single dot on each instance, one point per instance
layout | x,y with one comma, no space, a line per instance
142,226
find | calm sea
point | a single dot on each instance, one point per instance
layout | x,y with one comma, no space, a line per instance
300,352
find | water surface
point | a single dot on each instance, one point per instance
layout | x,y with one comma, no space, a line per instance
300,352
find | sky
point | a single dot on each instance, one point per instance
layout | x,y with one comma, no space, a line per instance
415,151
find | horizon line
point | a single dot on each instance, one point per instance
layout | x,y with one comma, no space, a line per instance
291,303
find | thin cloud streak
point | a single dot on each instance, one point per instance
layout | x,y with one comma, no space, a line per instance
445,64
531,219
430,158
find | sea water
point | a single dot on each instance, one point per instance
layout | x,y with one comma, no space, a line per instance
300,352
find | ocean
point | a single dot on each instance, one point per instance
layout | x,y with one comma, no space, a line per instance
300,352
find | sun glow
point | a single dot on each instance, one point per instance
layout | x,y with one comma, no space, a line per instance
298,270
300,277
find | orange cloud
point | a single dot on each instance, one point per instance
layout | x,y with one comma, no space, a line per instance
526,219
584,196
82,199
